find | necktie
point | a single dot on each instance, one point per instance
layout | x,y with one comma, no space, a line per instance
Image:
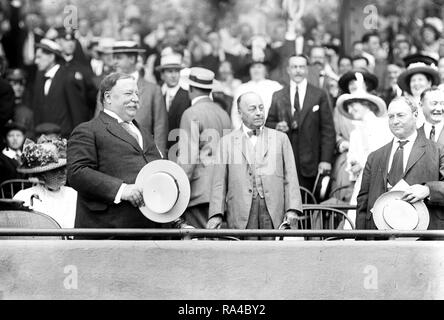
128,128
297,105
432,133
397,169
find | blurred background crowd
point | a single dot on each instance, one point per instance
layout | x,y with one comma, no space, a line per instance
245,43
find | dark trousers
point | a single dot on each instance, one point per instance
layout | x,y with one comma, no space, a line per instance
197,216
259,218
307,182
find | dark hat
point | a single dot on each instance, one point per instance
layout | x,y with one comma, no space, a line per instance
369,78
15,75
50,46
13,126
65,33
417,57
47,128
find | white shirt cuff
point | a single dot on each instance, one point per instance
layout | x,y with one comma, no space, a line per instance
118,197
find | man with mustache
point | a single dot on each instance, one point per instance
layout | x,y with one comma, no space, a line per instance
104,157
254,185
432,102
301,110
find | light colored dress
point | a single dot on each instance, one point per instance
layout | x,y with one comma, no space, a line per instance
59,205
369,135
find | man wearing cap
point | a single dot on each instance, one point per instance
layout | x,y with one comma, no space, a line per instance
23,115
152,114
106,154
201,127
59,97
176,98
409,157
432,102
77,64
10,157
301,110
255,184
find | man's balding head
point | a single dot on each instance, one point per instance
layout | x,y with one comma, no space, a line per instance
251,110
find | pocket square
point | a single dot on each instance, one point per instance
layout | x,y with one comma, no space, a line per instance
316,108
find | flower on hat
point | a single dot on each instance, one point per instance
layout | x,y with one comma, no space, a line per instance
44,152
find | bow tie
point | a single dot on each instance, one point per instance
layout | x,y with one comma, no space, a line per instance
254,132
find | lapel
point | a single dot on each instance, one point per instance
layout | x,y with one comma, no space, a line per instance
385,161
286,103
441,138
417,152
264,141
55,82
116,130
144,134
243,145
308,103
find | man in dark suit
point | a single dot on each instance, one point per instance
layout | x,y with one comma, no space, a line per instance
6,104
176,98
104,157
59,97
432,102
152,114
302,111
411,157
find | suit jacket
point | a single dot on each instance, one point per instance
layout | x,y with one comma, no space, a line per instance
101,156
6,103
8,168
202,126
232,183
65,104
425,166
314,139
178,106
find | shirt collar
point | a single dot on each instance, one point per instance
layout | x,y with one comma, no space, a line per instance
51,72
197,99
245,129
172,90
302,85
113,115
411,138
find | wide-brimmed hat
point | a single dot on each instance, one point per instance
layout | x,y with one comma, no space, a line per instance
126,47
45,155
369,78
170,61
391,213
417,68
419,57
434,23
50,46
166,190
201,78
344,100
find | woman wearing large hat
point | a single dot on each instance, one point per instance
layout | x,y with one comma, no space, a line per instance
46,160
371,130
421,74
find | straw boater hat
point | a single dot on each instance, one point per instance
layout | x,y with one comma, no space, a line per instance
50,46
126,47
105,45
391,213
166,190
201,78
434,23
344,100
45,155
370,79
418,64
170,61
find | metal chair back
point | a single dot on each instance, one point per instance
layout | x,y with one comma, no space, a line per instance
307,196
9,188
